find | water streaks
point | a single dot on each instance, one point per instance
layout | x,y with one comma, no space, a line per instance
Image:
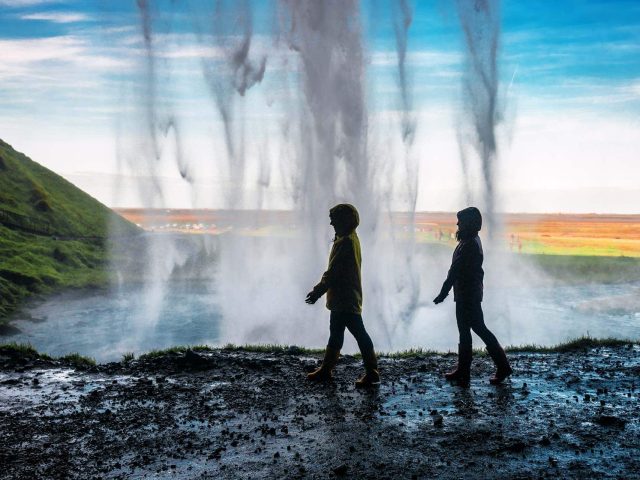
480,22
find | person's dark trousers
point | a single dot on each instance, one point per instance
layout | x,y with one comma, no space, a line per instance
352,321
470,317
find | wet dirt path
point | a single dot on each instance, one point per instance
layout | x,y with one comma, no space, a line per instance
223,414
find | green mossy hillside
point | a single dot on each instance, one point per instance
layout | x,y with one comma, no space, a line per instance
52,234
34,264
33,198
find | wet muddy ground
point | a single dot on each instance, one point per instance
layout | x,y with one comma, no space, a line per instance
231,414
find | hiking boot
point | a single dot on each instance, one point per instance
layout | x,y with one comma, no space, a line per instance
503,369
371,378
462,374
325,371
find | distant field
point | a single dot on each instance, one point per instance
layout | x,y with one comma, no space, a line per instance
614,235
589,235
557,234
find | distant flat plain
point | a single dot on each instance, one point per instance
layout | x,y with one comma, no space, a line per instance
551,234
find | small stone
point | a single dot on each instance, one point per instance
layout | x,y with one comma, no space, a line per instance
293,350
438,420
610,421
340,470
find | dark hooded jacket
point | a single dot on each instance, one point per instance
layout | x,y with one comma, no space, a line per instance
466,274
342,280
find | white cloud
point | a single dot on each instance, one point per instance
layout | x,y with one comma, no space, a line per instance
57,17
431,58
21,51
33,56
27,3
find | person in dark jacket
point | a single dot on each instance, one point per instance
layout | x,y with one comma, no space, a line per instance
466,276
342,284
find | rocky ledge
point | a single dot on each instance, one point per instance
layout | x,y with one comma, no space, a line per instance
240,414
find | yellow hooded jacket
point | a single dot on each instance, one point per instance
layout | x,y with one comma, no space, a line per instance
342,280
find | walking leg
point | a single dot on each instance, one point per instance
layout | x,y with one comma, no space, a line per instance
494,349
462,374
371,376
332,352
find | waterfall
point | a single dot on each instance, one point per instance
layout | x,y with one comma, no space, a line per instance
309,60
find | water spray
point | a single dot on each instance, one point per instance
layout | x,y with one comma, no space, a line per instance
480,22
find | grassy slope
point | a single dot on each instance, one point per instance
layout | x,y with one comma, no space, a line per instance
74,251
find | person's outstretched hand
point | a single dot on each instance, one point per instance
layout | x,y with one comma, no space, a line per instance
312,297
439,299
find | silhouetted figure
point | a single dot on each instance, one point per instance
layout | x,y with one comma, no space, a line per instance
342,284
465,276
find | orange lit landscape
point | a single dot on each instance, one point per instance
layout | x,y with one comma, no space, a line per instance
555,234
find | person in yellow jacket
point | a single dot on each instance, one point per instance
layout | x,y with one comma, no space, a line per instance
342,284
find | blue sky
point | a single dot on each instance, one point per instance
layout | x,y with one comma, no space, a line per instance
71,81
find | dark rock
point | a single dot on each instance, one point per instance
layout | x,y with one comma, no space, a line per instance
309,367
194,361
571,379
438,420
341,470
610,421
293,350
515,446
